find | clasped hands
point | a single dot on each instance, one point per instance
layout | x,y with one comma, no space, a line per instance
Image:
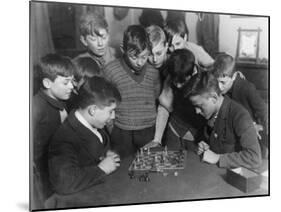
110,162
208,155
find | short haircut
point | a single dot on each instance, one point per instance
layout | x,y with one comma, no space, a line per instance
91,23
180,65
98,91
156,35
53,65
86,67
175,26
202,83
136,40
224,65
151,17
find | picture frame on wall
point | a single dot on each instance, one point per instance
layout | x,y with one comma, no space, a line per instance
248,45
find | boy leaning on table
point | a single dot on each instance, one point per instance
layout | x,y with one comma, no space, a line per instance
79,153
230,136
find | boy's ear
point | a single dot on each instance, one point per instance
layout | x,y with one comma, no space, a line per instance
46,83
214,97
83,40
92,110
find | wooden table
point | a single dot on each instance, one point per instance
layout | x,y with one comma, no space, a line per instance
197,180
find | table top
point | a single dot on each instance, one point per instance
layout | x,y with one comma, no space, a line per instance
197,180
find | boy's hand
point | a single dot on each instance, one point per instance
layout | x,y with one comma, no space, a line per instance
210,157
202,147
258,128
110,162
152,144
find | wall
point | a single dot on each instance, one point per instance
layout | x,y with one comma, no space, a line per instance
228,35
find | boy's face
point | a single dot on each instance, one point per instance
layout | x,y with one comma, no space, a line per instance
178,42
60,88
103,115
159,55
97,43
138,61
225,83
204,105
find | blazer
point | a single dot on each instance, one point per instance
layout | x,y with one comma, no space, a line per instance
245,93
234,137
74,154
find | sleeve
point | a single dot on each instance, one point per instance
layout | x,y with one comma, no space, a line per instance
66,175
258,105
203,58
41,134
250,154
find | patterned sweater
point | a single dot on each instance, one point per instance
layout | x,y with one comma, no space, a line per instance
139,93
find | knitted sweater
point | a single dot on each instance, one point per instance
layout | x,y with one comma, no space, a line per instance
139,93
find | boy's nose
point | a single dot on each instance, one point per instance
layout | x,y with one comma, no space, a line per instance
100,42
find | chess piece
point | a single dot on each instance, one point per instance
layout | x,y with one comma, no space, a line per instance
176,174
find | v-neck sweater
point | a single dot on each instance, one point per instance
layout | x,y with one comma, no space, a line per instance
139,93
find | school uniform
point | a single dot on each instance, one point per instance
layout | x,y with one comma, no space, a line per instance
74,154
234,137
48,114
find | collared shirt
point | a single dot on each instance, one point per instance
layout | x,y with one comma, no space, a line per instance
86,124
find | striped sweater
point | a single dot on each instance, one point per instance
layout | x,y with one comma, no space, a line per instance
139,93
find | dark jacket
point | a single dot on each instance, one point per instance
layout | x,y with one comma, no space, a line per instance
74,154
45,121
234,137
245,93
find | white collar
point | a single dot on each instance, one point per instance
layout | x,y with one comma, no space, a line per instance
86,124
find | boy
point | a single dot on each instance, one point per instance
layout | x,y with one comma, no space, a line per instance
79,155
241,90
230,133
139,85
55,75
178,39
94,36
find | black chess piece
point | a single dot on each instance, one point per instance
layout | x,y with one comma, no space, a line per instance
131,174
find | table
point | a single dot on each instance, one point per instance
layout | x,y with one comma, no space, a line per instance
197,180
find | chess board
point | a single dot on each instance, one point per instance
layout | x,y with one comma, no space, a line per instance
158,161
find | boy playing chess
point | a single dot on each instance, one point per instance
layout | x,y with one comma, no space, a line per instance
79,155
231,139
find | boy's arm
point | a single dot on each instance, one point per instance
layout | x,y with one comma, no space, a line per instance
258,105
250,154
203,58
66,175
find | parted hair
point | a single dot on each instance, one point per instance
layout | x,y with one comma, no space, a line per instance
91,23
224,65
156,35
53,65
175,26
201,83
135,40
98,91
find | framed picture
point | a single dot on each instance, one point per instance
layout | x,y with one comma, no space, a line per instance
248,45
